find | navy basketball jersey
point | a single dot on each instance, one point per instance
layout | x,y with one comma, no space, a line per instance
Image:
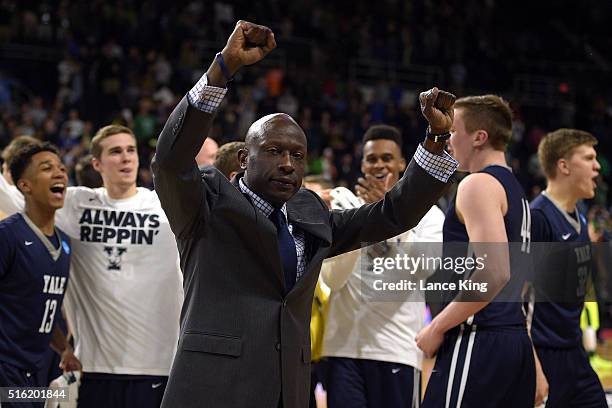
561,273
33,278
517,219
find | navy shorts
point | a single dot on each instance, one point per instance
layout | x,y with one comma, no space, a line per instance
121,391
571,379
359,383
480,367
11,376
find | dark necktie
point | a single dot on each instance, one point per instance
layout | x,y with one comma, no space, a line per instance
286,247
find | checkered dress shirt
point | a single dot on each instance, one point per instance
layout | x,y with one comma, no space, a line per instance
298,236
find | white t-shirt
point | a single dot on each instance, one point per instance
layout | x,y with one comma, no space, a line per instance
385,330
125,293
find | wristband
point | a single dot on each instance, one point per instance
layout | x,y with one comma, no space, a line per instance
437,138
224,70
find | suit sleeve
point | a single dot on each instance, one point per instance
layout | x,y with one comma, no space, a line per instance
400,210
185,198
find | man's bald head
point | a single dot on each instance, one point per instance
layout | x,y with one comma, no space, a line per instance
264,125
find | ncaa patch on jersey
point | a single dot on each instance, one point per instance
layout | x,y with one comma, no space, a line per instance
66,247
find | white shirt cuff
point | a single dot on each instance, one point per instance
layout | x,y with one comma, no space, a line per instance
206,98
440,167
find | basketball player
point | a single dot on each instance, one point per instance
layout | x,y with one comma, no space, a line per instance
125,294
34,267
484,354
569,161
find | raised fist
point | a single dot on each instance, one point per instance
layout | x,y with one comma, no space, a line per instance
437,107
248,44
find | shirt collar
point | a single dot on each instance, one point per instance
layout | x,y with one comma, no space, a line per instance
261,204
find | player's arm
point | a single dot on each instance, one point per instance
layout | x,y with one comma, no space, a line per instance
480,203
337,270
541,382
61,345
177,179
11,200
540,232
423,182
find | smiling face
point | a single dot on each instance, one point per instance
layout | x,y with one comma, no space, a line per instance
118,161
274,158
44,181
381,157
581,170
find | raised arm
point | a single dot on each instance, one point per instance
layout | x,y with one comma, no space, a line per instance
423,182
178,182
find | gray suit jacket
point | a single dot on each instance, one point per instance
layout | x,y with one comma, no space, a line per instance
243,343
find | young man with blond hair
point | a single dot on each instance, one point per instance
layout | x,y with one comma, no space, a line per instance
484,354
125,295
569,161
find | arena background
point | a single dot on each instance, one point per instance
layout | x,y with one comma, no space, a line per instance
68,67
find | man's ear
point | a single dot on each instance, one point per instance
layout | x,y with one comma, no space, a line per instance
243,156
96,164
24,186
562,167
480,138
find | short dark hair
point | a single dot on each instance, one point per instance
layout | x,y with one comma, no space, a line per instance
85,173
227,158
387,132
22,158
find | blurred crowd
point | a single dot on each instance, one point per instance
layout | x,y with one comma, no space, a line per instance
71,67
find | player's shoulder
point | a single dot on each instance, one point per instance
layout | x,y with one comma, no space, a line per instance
11,230
85,195
435,213
147,194
477,186
541,203
11,223
148,200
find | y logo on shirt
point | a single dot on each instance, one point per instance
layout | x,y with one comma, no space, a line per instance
114,257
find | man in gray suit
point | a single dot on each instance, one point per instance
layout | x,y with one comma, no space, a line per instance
251,248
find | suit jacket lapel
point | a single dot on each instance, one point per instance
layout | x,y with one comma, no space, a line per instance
314,230
268,241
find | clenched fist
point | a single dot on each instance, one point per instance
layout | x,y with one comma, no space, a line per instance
248,44
437,107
